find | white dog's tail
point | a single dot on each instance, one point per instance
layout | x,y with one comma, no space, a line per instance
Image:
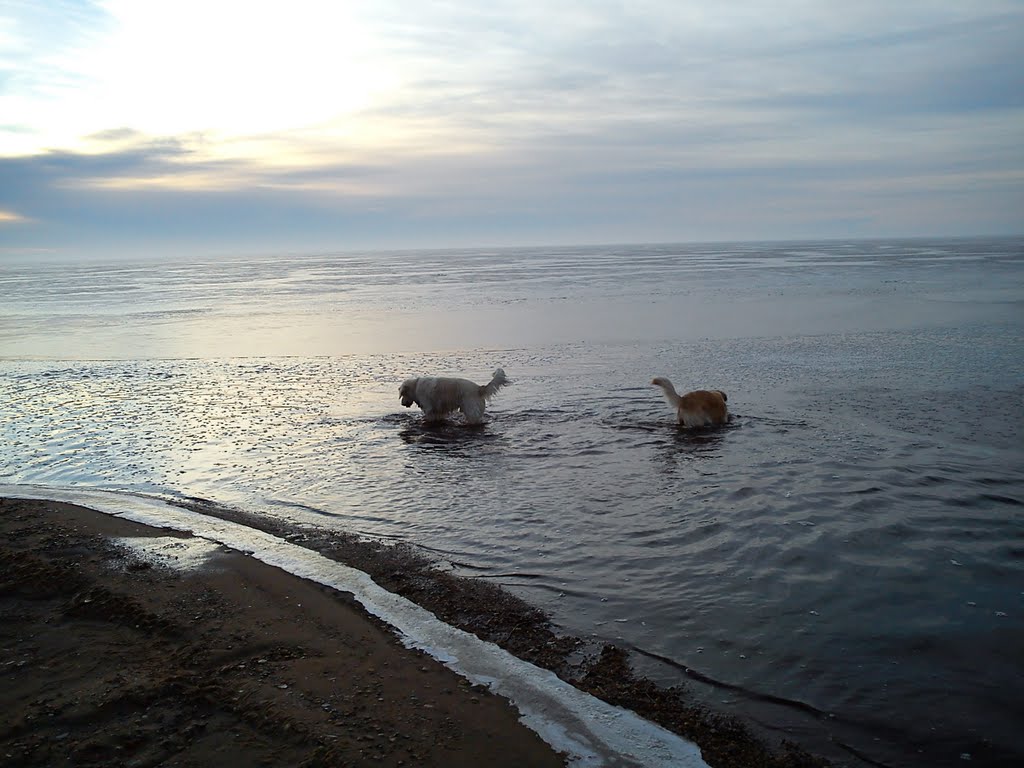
489,390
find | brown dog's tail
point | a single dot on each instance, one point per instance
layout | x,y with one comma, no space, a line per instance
670,391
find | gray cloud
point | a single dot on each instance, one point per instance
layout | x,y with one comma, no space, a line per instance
611,122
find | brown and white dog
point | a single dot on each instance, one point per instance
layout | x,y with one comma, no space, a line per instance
438,396
700,408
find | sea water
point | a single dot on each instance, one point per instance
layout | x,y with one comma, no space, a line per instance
843,563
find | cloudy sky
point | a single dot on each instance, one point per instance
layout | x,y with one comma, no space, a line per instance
222,126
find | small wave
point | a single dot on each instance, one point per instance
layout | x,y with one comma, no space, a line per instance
304,507
1010,500
511,575
749,693
772,421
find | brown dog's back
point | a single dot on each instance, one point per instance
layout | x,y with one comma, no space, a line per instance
703,408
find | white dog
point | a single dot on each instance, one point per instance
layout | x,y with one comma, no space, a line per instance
701,408
438,396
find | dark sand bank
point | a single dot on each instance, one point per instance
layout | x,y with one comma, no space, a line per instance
106,660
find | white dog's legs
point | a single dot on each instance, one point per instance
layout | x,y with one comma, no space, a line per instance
473,410
433,417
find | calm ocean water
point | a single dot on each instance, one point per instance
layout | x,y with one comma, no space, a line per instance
847,556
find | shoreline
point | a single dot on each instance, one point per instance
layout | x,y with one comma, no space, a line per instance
110,660
475,606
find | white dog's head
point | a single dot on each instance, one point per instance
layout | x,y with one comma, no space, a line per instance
407,392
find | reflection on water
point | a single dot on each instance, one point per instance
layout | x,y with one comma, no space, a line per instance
702,440
452,435
412,301
850,540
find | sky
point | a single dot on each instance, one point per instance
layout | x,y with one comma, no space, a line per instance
214,126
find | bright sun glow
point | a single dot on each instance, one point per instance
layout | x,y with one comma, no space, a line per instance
223,69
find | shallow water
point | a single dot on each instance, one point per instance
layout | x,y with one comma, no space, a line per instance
850,547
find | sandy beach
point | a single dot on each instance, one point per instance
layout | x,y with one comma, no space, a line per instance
110,659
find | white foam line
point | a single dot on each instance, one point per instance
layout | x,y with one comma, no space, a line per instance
590,731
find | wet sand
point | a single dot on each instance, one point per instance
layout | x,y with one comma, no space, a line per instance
108,659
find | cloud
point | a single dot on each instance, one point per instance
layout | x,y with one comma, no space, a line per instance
10,217
529,194
313,123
